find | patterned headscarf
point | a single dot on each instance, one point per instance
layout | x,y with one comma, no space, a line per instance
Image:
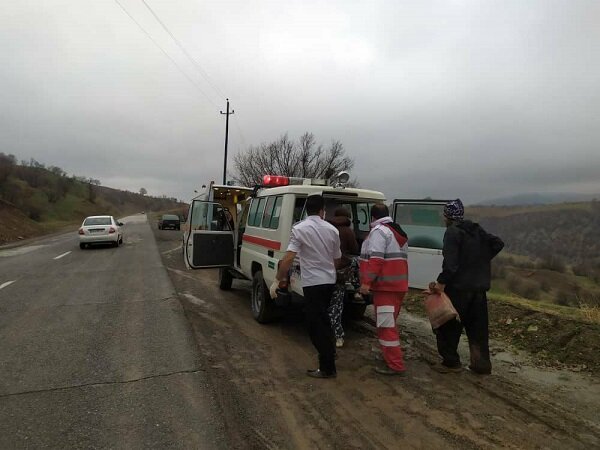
454,210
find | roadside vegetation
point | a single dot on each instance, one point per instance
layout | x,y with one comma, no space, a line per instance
36,199
545,295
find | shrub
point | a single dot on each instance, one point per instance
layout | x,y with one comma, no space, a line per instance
524,288
590,313
566,298
498,269
545,286
529,289
587,269
552,262
513,282
526,264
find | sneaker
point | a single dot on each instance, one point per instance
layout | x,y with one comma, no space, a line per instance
339,342
385,370
440,368
320,374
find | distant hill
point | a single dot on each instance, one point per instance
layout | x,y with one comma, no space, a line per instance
568,231
35,199
537,198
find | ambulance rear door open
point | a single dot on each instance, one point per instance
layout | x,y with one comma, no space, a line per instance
210,241
423,222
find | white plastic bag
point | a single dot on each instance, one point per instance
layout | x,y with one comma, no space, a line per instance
273,289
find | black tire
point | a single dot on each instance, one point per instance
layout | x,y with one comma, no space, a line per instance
355,311
263,308
225,279
82,246
116,243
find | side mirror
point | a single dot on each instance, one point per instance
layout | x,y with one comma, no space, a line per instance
121,224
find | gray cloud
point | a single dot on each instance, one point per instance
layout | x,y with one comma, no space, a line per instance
440,98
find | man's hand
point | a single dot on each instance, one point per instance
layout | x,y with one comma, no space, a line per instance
436,288
364,289
284,265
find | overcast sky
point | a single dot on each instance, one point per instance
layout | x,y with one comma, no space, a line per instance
477,99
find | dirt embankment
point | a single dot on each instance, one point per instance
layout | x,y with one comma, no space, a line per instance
14,225
552,340
258,374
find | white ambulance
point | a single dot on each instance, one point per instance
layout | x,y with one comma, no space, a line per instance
245,232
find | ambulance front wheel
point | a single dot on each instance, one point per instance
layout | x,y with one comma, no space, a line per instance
263,309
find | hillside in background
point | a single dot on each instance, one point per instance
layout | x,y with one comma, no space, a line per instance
552,253
537,198
567,232
35,199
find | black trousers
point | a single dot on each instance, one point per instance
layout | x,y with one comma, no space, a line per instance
473,311
318,299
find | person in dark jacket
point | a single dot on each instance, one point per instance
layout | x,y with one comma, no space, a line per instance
347,272
465,278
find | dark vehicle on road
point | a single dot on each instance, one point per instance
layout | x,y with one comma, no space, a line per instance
169,221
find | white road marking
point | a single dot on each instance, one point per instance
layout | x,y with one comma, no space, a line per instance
196,300
172,250
64,254
8,283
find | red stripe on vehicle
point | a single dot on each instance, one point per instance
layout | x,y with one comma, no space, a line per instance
262,242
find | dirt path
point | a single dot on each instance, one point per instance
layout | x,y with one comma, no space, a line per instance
268,402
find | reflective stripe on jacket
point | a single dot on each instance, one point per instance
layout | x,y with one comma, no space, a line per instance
383,259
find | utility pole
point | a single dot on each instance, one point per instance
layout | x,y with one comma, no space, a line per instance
227,114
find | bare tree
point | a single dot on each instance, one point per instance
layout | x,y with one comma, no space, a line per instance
303,158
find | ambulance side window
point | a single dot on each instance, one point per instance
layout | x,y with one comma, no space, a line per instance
266,220
252,213
298,209
255,219
276,213
363,214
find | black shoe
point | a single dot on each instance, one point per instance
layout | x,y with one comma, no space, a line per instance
441,368
320,374
478,371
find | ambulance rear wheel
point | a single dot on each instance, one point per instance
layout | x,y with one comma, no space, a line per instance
225,279
263,309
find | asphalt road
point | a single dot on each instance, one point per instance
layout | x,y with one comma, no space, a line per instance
96,351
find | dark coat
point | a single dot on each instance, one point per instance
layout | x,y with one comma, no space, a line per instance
348,243
468,252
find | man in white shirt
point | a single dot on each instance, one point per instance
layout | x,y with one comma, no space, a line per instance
317,243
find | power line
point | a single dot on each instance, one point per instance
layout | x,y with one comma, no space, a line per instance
185,52
166,54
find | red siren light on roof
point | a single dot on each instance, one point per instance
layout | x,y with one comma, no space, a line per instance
275,180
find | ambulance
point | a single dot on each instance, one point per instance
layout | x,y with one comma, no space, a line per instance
244,232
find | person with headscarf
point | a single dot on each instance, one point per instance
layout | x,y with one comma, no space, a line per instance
347,272
466,275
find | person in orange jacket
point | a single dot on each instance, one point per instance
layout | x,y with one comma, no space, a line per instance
384,274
